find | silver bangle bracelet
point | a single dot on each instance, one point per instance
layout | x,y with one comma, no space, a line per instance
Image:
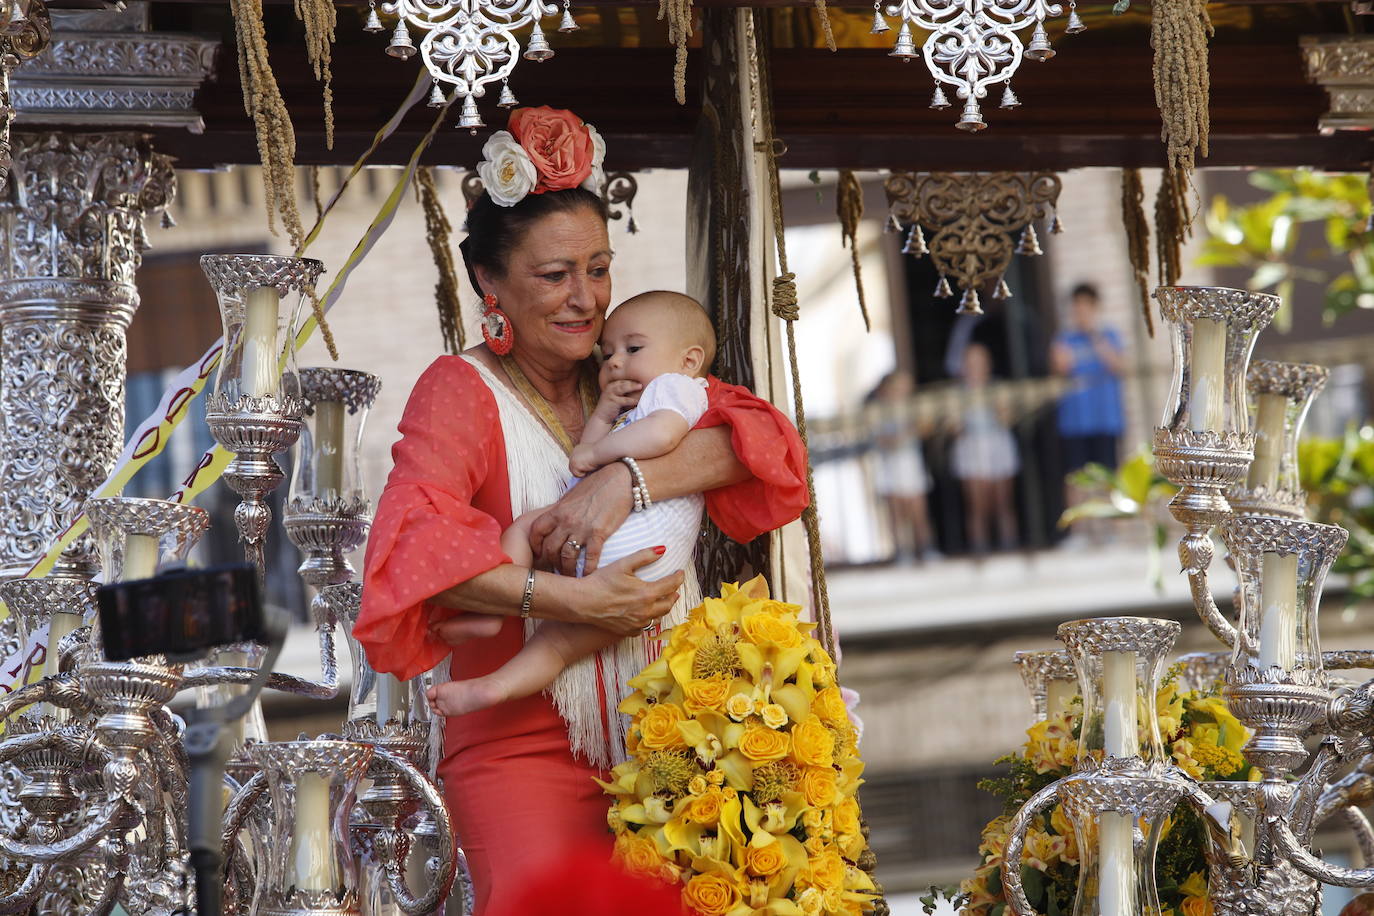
528,598
639,490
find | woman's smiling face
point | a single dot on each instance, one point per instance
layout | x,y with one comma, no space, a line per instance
556,286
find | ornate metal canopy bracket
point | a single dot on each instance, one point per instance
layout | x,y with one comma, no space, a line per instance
972,217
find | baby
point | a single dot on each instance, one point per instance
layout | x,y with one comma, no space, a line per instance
657,348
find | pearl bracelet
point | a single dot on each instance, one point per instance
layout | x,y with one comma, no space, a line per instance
638,488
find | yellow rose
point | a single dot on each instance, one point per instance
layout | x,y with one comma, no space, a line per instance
697,786
846,817
710,895
811,902
774,716
823,672
704,809
702,694
826,870
812,743
658,728
716,778
764,629
818,786
829,705
739,706
638,854
764,861
760,744
1196,906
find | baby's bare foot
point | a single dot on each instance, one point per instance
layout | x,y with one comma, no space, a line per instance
458,698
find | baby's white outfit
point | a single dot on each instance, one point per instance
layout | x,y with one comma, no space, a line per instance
673,523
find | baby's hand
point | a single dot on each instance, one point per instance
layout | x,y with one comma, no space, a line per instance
582,463
616,398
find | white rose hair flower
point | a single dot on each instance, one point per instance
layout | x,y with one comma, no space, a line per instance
596,181
507,171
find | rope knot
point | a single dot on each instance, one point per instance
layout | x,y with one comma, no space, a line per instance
785,297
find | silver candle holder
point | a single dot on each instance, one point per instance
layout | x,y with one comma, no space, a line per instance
1204,445
255,410
328,513
1281,395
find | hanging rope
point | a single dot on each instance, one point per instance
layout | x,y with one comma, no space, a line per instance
849,205
678,14
437,233
825,24
1173,225
320,17
1137,239
785,308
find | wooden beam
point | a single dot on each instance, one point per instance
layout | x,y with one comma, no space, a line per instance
1092,105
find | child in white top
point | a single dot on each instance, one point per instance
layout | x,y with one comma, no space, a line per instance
657,348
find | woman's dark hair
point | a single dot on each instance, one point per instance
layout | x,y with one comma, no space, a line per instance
494,231
1087,291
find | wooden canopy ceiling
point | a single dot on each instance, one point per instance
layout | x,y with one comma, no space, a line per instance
1092,105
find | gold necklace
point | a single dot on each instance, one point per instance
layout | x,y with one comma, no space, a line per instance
586,389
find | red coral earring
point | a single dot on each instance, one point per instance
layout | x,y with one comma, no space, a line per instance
496,327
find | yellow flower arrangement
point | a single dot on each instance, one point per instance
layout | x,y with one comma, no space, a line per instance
744,767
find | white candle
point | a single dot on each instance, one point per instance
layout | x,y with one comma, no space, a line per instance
312,850
1116,873
1058,693
1269,436
258,338
329,444
1207,362
1121,738
390,694
62,623
140,557
1278,637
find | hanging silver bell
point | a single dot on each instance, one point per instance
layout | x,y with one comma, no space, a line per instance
1075,25
374,23
436,97
1039,47
1029,243
915,242
942,290
401,46
905,48
567,23
1009,99
879,23
971,118
1003,291
969,304
507,99
538,49
893,226
470,117
938,100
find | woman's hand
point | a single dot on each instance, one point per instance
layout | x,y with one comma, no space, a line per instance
618,601
586,515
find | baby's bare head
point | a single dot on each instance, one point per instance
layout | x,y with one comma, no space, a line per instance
677,319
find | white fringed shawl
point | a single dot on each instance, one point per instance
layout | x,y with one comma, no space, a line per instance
539,475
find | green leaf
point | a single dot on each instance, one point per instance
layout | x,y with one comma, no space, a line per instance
1033,882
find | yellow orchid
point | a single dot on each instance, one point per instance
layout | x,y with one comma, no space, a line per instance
709,735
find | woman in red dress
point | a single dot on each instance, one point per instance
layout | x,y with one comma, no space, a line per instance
484,438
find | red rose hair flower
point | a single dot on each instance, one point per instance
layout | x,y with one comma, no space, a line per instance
558,143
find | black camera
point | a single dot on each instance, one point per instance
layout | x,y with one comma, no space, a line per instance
181,613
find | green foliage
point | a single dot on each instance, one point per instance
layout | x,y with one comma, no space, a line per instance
1263,238
1128,492
1337,475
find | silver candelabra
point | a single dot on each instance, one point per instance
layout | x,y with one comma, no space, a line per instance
1228,441
94,772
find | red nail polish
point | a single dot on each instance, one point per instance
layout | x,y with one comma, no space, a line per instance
660,550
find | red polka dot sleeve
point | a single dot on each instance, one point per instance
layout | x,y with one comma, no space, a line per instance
439,519
767,443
